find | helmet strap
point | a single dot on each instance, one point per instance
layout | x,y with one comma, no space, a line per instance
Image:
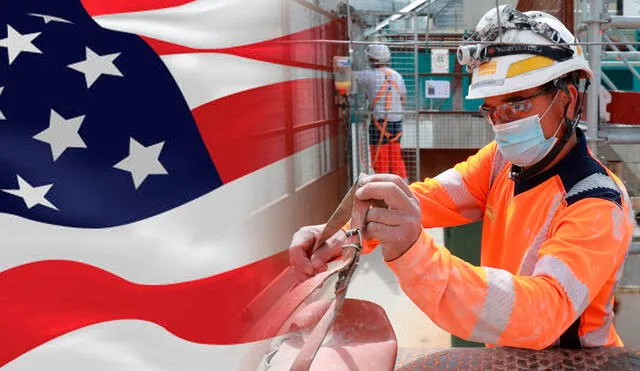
518,173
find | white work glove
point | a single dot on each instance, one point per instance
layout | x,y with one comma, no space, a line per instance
302,263
397,226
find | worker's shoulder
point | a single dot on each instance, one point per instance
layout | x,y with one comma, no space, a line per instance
396,74
589,179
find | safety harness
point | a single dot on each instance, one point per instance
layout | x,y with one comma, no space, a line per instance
385,91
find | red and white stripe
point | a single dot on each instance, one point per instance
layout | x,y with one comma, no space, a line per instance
203,23
163,293
131,345
201,84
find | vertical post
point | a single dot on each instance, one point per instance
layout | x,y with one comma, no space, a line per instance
567,15
355,169
416,80
349,27
289,107
427,48
593,114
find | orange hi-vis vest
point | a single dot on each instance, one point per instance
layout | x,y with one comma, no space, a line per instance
386,92
553,248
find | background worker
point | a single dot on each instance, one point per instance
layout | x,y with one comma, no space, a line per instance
556,223
386,93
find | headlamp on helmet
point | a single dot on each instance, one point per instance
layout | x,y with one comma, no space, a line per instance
504,19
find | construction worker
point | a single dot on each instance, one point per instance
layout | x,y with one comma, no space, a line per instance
556,223
386,92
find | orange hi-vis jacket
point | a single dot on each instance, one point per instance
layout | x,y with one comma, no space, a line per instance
553,247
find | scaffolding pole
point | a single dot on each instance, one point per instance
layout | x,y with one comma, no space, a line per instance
624,38
616,21
608,82
593,116
619,63
620,135
416,77
624,57
621,55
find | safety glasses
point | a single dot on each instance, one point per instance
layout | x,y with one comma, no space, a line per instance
512,111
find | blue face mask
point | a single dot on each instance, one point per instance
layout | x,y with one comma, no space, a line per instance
522,142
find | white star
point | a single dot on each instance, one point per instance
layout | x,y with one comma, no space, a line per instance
32,196
95,65
142,161
49,18
16,43
62,134
1,115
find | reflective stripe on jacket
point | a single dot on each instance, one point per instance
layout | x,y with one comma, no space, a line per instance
553,248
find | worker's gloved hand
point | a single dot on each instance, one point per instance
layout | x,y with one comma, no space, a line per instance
305,265
396,226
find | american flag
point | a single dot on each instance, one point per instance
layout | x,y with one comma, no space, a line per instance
136,137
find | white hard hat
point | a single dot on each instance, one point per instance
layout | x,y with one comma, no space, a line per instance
378,52
536,60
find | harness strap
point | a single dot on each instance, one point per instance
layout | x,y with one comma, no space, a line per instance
383,130
351,256
385,90
275,320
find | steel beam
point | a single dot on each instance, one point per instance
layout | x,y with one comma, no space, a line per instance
618,21
622,55
620,134
619,63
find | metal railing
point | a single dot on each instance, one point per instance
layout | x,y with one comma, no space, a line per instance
412,42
